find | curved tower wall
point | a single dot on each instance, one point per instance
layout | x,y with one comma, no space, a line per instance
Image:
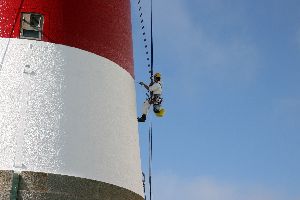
67,99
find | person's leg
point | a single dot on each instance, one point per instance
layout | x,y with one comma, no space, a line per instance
145,110
146,107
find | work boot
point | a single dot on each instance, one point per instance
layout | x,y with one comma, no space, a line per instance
142,118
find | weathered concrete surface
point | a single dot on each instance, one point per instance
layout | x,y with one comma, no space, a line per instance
6,178
43,186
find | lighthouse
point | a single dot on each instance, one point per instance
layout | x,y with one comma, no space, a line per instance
68,127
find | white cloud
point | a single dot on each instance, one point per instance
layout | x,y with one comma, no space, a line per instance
179,188
196,50
194,55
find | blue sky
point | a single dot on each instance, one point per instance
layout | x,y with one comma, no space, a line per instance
231,74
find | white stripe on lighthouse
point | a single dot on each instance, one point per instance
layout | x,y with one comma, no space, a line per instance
80,115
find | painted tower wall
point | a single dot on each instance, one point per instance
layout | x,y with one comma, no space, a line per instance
67,102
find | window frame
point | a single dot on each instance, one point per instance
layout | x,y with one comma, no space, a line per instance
29,26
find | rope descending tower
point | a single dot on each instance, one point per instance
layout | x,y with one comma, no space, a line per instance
149,94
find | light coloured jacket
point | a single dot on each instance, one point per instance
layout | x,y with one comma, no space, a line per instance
156,88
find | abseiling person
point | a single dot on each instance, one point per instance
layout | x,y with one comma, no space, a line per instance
155,99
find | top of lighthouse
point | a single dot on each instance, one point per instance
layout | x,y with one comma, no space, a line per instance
100,27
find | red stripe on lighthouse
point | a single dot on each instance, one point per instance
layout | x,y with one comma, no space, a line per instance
102,27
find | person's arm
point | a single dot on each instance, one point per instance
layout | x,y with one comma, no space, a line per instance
143,84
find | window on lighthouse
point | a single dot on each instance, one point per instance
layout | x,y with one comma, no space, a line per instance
31,26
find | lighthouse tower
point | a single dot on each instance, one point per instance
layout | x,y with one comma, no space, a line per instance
68,127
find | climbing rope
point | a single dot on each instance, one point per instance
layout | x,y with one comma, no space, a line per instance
150,160
149,59
151,32
150,154
144,184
